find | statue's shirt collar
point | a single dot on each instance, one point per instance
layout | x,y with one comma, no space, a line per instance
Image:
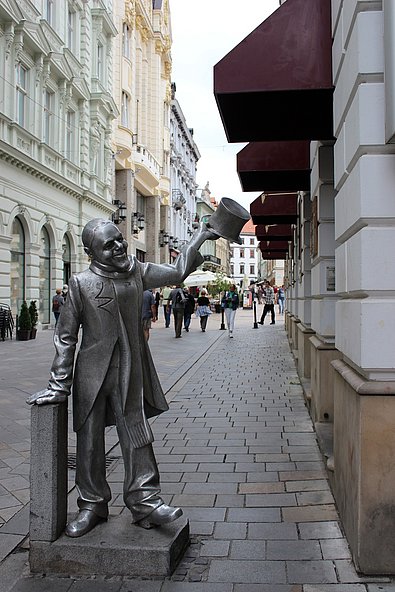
112,274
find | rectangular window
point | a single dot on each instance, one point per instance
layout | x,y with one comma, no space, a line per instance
252,253
232,270
252,269
99,71
21,94
242,241
251,241
242,253
125,109
242,269
125,41
50,12
70,29
70,127
48,116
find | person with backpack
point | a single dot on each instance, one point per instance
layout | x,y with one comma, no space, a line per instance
177,299
230,303
57,303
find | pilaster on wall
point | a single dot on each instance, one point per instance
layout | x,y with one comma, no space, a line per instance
323,289
152,229
364,471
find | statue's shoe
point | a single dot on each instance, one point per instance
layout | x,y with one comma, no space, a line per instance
83,523
161,515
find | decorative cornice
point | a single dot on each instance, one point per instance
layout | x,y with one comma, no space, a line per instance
20,164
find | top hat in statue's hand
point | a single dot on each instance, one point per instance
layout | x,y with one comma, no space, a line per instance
228,220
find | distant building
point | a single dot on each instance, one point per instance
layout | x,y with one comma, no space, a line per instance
56,114
244,257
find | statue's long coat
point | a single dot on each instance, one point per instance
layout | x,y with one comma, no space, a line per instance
107,306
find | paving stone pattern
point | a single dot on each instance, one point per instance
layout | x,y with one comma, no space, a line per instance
237,451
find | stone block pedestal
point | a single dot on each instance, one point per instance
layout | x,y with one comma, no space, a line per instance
114,548
322,379
304,355
364,467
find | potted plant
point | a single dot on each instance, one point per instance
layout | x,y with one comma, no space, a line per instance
24,323
33,318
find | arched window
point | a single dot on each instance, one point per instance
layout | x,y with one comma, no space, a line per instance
45,276
18,265
66,259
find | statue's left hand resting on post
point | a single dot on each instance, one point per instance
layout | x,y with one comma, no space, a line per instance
114,381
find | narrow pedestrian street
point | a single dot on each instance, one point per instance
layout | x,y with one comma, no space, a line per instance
236,450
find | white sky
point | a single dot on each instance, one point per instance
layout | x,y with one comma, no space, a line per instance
204,31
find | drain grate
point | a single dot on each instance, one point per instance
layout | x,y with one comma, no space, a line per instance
72,459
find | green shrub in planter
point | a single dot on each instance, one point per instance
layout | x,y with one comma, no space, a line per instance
24,323
34,318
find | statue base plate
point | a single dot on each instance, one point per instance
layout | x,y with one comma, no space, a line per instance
116,548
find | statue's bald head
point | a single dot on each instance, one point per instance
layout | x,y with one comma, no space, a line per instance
88,234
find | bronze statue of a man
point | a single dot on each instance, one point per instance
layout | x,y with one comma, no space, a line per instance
115,381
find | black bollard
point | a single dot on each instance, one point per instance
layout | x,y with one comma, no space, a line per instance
255,323
222,327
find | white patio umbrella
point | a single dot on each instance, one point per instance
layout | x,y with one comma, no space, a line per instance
199,278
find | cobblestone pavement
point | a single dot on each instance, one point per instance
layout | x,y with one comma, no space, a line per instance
237,451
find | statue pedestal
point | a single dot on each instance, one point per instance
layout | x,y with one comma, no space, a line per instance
114,548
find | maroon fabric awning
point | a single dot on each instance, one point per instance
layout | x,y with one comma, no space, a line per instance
274,246
272,208
277,83
274,232
273,255
275,166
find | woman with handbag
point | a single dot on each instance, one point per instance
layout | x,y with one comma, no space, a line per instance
230,302
203,309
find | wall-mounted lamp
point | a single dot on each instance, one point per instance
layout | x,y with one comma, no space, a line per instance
163,238
120,214
138,222
170,243
175,243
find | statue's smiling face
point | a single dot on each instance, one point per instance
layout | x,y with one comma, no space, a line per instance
109,248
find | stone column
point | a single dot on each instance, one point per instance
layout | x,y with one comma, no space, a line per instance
48,472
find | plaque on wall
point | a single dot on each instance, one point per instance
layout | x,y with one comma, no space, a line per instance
330,279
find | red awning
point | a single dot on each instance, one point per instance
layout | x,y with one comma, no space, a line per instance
272,255
277,83
274,246
274,232
275,166
272,208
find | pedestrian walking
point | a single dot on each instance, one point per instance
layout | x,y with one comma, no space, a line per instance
203,310
230,303
57,304
281,299
269,296
177,299
189,308
148,312
166,306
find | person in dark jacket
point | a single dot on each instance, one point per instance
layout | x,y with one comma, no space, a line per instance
189,308
203,309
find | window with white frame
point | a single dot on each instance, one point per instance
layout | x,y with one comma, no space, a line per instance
126,41
70,135
252,253
71,29
50,11
241,268
48,116
21,93
99,64
125,109
252,269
